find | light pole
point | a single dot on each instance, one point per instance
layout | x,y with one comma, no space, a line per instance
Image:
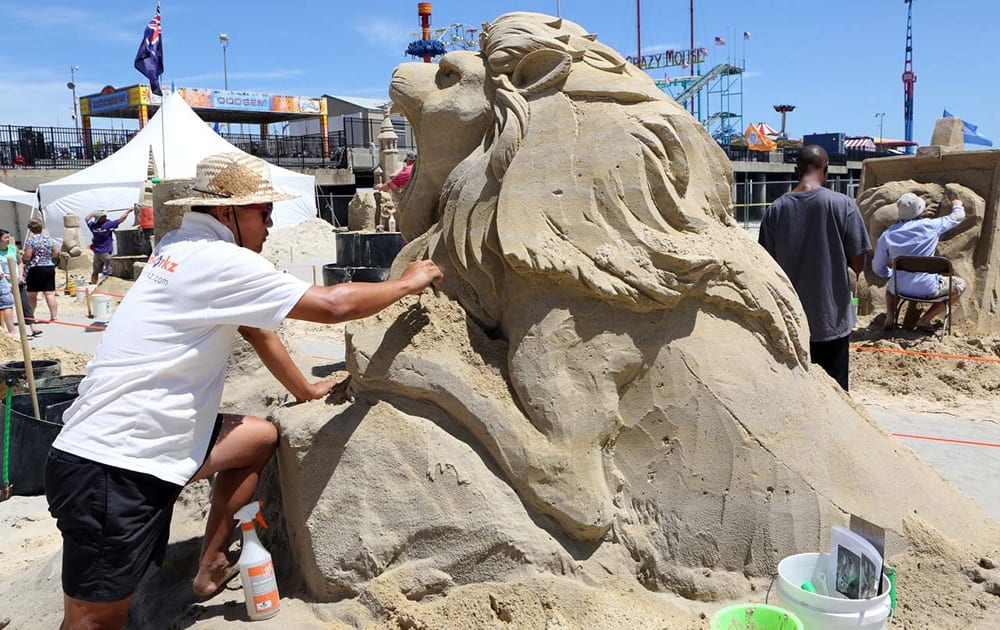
72,86
881,119
783,110
224,40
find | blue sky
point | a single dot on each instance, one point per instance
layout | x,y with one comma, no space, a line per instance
839,62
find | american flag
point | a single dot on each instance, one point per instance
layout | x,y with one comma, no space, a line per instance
720,41
149,58
746,34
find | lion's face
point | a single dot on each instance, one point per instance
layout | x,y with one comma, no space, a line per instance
448,105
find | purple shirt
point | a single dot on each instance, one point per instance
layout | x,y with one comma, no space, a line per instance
102,242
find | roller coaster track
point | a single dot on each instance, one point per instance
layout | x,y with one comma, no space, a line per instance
705,79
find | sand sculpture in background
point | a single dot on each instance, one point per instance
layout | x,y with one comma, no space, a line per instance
960,244
934,171
612,379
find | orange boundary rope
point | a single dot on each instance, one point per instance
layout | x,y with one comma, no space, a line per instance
936,355
949,440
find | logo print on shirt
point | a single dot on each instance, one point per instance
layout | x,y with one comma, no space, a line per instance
162,262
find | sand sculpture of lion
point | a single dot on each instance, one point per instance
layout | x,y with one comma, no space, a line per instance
630,362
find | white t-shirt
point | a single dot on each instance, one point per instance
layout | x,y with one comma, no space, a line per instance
153,388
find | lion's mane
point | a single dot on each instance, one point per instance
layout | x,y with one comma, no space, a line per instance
635,210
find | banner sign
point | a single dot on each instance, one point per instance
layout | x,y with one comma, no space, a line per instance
252,102
111,100
670,58
104,102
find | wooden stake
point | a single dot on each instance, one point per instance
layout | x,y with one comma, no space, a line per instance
29,369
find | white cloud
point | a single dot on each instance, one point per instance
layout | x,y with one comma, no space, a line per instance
36,96
392,34
88,25
217,78
658,48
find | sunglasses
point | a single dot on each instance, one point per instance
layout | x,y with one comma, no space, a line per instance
265,208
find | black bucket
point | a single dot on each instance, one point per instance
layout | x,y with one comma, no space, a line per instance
30,438
368,249
369,274
15,370
133,241
68,383
333,274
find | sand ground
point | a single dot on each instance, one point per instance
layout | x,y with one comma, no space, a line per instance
938,395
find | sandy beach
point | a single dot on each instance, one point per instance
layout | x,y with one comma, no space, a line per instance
938,396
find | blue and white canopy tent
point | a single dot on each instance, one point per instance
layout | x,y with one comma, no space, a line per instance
178,140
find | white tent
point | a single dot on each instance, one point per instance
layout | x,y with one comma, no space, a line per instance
178,140
13,217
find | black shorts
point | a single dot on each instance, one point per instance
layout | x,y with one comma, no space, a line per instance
114,524
834,357
41,279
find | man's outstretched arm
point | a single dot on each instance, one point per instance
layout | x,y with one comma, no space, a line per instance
354,300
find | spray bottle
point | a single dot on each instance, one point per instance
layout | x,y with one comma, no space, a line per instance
256,569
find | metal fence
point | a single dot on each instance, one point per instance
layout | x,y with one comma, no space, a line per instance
58,147
71,148
751,198
791,155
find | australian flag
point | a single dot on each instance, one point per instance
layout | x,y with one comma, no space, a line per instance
149,59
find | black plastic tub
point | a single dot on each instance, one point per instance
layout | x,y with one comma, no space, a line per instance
42,368
66,383
30,438
133,241
369,274
335,274
368,249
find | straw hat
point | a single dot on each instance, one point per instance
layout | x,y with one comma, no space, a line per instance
232,179
910,206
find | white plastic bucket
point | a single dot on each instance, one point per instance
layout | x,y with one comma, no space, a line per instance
102,307
818,611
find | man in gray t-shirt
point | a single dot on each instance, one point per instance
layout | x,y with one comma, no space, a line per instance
815,235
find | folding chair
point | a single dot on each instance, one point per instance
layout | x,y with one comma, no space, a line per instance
923,264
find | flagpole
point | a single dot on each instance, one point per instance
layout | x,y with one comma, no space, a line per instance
163,133
163,104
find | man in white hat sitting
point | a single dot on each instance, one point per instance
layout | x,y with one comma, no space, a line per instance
913,236
146,422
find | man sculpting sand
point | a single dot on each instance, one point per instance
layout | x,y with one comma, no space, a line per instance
146,422
913,236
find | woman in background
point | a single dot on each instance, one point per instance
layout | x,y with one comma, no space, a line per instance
8,251
39,253
6,285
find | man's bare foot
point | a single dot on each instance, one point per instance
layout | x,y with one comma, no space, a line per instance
210,581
